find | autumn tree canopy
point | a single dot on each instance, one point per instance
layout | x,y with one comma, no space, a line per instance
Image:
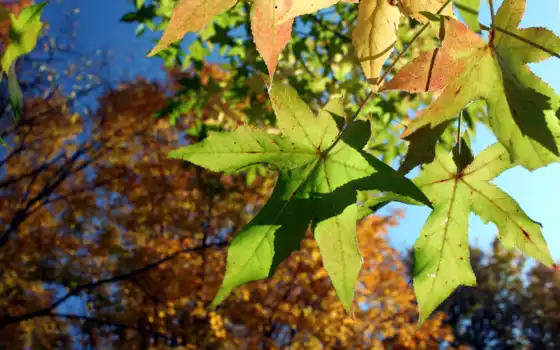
104,224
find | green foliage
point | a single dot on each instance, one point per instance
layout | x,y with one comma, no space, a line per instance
521,107
441,259
320,168
469,12
24,32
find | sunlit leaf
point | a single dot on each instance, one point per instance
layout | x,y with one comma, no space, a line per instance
441,253
319,174
521,107
375,35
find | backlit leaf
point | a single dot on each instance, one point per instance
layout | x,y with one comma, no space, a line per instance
413,8
190,16
469,12
299,8
441,255
24,32
375,35
319,174
270,37
521,107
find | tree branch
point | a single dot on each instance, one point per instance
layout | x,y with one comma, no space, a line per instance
109,323
92,285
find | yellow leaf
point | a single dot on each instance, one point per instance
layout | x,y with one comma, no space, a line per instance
190,16
303,7
375,35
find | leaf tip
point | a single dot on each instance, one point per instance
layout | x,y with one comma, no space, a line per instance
420,322
220,296
406,133
155,50
176,154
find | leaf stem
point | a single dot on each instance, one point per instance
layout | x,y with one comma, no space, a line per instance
414,38
520,38
492,33
459,131
339,136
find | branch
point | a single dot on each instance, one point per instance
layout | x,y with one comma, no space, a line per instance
21,214
493,29
92,285
109,323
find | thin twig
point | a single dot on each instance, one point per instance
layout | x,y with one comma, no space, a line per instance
385,74
493,28
370,94
459,131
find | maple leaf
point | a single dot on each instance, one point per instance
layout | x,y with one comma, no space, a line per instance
421,149
190,16
469,12
521,107
271,22
270,36
457,185
320,170
375,35
299,8
24,33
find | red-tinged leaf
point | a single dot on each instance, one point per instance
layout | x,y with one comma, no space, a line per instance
270,37
190,16
431,71
522,108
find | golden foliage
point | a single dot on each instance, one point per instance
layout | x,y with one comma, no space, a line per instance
107,236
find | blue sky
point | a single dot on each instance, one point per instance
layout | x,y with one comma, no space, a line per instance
537,192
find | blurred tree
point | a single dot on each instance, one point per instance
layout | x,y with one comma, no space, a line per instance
541,308
106,243
490,315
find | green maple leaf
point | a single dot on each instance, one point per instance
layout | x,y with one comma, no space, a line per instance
456,185
24,33
469,11
421,149
522,109
320,169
